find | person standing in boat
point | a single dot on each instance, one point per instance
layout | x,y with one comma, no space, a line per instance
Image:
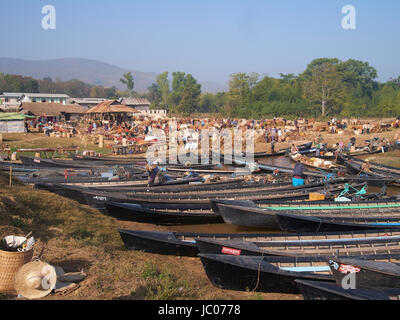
294,150
397,141
366,166
153,171
298,174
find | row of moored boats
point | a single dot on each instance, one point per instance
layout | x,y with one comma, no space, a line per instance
347,239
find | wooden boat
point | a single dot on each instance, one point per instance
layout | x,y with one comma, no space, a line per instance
191,167
320,290
76,180
193,185
303,148
123,158
365,151
301,223
368,274
123,161
39,162
190,185
290,171
343,247
184,243
72,191
314,162
268,273
258,193
195,202
361,151
17,167
209,171
69,164
244,162
326,155
377,166
251,215
372,181
112,159
147,214
355,167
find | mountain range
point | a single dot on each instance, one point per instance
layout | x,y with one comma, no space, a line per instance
90,71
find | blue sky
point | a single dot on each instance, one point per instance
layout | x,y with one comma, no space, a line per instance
209,38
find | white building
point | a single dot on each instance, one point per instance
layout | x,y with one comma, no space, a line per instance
10,98
44,97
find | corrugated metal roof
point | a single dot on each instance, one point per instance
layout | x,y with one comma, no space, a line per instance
88,100
11,94
44,95
135,101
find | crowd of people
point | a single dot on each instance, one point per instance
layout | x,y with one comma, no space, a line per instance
189,131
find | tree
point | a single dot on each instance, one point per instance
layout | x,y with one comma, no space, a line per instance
389,101
287,77
190,96
178,84
239,95
129,82
207,103
316,64
359,74
163,85
324,86
154,94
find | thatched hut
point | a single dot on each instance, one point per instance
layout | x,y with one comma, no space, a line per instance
52,111
110,110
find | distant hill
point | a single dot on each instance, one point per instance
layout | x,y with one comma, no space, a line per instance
89,71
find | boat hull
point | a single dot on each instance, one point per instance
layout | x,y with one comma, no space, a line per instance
134,212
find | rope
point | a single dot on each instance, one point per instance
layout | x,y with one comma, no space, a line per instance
327,175
258,273
347,188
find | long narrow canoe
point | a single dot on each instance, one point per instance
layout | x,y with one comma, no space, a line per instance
321,290
303,148
269,273
184,243
251,215
302,223
378,166
314,162
367,273
343,247
98,199
355,167
75,192
138,213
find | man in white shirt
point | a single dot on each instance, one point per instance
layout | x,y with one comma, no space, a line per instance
124,145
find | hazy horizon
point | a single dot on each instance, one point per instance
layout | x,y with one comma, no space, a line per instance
209,39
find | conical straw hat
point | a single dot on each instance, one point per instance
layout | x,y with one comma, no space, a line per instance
35,280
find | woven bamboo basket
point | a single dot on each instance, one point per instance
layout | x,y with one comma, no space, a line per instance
10,263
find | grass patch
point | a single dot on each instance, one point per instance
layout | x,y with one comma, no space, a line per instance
4,296
149,271
18,223
163,285
82,234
